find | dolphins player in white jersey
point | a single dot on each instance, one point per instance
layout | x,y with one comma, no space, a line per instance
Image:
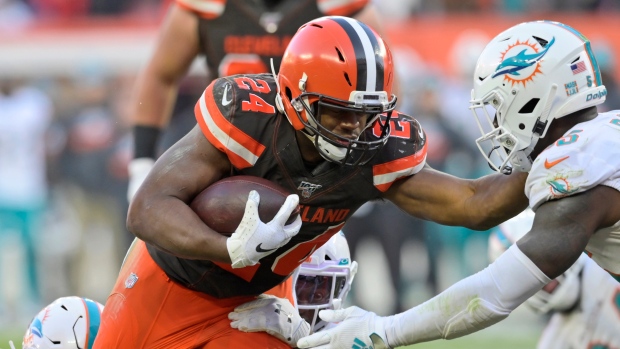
536,87
584,302
321,282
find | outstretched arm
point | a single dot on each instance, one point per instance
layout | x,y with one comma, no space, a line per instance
561,230
477,204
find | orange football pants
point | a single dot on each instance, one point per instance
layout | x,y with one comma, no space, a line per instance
156,312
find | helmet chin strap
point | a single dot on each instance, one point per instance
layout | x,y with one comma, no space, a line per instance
327,150
543,122
523,161
279,103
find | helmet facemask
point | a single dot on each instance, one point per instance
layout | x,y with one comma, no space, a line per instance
320,289
338,149
502,148
324,280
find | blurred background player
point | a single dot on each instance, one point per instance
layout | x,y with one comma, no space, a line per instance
236,37
583,302
25,116
67,323
323,281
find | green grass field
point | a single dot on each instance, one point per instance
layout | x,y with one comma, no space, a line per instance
11,334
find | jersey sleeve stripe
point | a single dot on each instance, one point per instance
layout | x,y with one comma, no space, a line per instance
341,7
208,9
384,175
242,150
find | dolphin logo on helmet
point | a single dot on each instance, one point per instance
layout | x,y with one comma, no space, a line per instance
521,61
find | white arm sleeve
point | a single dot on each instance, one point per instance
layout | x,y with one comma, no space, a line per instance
471,304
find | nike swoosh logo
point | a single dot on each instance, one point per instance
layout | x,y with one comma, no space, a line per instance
260,250
225,101
550,164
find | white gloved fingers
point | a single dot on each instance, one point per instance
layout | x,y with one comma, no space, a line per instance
234,317
249,323
289,205
253,239
315,339
293,228
335,315
258,303
355,328
251,206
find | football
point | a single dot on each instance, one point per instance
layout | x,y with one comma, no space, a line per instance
222,204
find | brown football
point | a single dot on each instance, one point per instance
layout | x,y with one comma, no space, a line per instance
222,204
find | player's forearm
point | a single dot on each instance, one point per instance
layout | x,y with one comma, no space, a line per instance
171,225
153,99
497,197
472,304
150,113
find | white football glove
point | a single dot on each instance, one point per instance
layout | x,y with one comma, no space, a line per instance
357,328
253,239
273,315
138,170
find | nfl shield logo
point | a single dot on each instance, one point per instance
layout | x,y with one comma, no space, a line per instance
131,280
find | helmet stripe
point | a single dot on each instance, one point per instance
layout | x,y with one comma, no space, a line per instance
379,63
93,321
588,48
367,50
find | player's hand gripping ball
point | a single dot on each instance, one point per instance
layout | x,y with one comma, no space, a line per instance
259,216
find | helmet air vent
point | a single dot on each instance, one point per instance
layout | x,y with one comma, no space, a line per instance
340,56
529,106
346,77
575,60
541,41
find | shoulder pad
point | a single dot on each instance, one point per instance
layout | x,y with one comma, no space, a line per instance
403,155
234,112
588,155
208,9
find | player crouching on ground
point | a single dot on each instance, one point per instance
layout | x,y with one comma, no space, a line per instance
323,281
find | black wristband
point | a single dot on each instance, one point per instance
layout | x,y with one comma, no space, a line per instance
145,141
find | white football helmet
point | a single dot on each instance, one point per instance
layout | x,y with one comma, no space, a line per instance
67,323
563,292
529,75
324,280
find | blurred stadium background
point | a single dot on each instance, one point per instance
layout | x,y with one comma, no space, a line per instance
75,62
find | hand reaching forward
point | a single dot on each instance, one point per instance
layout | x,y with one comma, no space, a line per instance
253,239
273,315
357,328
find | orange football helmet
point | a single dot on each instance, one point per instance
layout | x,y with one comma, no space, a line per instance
340,63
